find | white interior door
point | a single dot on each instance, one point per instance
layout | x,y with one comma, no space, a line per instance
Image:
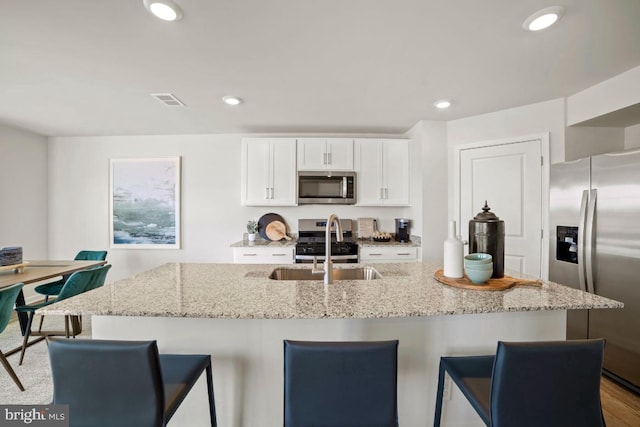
509,177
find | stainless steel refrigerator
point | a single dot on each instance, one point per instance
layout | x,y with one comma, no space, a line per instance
595,219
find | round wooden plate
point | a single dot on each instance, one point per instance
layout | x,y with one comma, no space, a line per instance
265,220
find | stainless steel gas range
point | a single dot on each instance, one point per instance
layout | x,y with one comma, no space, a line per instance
311,242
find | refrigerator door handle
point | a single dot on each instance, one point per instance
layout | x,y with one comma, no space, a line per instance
582,281
589,240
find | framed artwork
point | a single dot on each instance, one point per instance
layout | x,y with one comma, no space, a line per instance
144,203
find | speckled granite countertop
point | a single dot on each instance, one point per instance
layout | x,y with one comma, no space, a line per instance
370,243
245,292
261,243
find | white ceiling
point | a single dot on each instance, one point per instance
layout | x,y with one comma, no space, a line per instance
80,67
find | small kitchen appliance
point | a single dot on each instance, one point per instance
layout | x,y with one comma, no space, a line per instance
402,229
311,242
486,235
326,188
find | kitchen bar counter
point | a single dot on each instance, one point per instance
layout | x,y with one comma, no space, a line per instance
235,291
241,317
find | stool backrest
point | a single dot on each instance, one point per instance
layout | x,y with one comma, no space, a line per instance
547,383
340,383
99,276
8,297
77,283
91,256
105,382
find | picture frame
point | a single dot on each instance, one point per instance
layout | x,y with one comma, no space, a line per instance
144,203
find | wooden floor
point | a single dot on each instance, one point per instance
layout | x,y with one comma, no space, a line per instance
621,407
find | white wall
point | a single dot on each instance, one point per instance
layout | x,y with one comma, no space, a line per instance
212,217
632,137
23,191
606,97
429,190
585,141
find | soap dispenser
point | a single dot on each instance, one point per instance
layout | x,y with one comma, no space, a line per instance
453,254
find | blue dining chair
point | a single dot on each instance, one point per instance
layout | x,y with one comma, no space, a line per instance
78,282
8,297
530,384
53,288
123,383
340,384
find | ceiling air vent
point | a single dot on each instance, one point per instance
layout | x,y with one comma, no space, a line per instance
168,99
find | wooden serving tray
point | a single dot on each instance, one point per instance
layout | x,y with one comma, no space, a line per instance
501,284
16,267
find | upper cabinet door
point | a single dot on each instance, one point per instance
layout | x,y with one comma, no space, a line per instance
369,179
312,154
383,172
269,172
256,169
340,154
325,154
283,172
396,174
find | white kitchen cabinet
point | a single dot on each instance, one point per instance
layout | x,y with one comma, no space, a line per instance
269,175
325,154
388,254
263,255
383,172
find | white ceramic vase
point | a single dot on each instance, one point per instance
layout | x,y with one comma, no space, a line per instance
453,254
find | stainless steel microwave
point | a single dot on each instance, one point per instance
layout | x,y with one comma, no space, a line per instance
326,188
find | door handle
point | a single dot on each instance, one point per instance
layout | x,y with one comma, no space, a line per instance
582,225
589,242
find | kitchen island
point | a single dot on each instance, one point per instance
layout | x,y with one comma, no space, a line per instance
240,316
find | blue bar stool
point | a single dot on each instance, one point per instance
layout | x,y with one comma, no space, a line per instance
340,384
123,383
531,384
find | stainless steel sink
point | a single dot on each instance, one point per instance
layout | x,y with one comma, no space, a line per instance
362,273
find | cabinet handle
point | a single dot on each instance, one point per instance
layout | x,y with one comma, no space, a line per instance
404,253
330,161
249,254
375,254
278,254
381,193
266,189
386,193
324,158
271,193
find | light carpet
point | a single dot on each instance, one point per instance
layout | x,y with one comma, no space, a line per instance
35,372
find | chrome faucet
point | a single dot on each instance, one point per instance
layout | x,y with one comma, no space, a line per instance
328,267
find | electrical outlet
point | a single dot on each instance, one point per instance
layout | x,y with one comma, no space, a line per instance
448,384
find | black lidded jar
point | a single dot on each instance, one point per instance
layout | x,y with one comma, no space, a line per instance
486,235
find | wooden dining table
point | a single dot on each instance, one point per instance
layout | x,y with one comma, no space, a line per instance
37,271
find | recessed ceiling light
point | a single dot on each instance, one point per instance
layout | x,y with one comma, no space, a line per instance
442,104
543,18
167,10
232,100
